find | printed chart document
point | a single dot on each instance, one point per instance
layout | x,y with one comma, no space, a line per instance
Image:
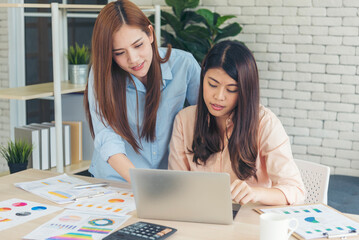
17,211
77,225
120,202
317,221
60,189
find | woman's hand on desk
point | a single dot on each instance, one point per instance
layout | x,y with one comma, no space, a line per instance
242,193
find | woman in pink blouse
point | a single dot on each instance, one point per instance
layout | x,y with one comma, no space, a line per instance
229,131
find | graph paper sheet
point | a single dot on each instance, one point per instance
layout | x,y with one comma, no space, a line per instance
316,220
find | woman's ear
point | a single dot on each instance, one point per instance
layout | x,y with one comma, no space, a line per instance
151,33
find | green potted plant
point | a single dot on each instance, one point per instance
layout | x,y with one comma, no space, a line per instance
195,31
16,154
79,58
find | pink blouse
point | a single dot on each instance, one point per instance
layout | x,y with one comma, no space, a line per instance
275,165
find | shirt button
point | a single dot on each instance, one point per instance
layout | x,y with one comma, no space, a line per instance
154,153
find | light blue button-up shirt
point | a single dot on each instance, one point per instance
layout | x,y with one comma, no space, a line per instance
180,81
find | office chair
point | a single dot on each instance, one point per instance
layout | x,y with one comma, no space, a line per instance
316,180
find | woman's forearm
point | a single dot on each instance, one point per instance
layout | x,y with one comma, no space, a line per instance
122,165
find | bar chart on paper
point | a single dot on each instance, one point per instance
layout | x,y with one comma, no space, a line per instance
119,203
317,220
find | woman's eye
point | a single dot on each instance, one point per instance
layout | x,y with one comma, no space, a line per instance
211,85
232,90
118,53
139,45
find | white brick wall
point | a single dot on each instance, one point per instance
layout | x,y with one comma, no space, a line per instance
4,82
308,57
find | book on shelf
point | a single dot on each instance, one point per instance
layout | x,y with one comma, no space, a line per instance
52,142
76,140
31,136
43,146
66,141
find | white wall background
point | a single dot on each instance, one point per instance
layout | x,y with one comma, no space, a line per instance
308,56
4,82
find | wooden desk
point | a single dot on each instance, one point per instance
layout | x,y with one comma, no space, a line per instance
245,226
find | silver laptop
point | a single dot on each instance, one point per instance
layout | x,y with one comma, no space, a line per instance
182,195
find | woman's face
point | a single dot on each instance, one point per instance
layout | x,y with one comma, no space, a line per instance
132,50
220,93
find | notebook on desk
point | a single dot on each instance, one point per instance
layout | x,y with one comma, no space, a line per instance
182,196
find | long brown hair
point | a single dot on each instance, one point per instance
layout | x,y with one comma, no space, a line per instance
238,62
110,80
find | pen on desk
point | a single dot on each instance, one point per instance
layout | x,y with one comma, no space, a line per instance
89,196
342,236
92,185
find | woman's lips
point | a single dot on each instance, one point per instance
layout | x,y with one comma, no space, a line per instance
217,107
139,67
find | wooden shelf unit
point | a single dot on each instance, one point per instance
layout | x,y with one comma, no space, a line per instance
38,91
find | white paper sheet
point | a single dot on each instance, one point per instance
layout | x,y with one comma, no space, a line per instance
77,225
17,211
317,219
60,189
119,203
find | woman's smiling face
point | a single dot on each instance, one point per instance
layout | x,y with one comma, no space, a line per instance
132,50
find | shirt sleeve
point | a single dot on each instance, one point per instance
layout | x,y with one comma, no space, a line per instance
106,141
177,159
281,168
193,80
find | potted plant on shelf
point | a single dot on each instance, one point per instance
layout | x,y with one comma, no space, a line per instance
79,58
16,154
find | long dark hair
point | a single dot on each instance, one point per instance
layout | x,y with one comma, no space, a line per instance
238,62
110,79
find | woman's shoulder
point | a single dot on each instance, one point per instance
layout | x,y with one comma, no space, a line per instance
177,55
188,111
187,115
267,117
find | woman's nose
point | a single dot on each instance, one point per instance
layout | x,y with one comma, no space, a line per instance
132,57
220,94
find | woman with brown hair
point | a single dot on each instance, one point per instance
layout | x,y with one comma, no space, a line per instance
134,91
229,131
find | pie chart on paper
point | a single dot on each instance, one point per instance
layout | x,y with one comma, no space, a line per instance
311,220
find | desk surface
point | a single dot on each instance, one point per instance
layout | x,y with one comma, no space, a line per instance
243,227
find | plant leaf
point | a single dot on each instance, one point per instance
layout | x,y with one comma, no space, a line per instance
178,6
207,15
222,19
189,17
228,31
197,31
173,21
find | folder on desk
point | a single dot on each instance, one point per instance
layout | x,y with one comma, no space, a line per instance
31,136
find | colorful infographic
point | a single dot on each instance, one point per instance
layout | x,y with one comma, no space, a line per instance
78,225
60,189
16,211
119,203
315,221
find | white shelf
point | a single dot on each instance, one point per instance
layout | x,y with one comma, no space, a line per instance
59,46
